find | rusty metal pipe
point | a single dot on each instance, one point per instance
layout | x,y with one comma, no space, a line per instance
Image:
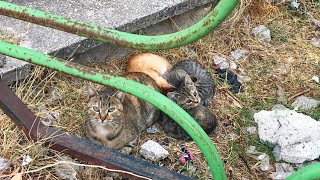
76,147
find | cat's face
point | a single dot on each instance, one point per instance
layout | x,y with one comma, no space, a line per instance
187,96
105,109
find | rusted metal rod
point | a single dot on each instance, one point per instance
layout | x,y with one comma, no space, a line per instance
76,147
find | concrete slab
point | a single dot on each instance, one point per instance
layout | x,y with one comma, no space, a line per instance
125,15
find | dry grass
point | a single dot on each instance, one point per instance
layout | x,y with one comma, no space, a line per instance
288,62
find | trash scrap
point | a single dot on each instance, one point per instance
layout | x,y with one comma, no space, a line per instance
262,32
262,157
283,170
236,86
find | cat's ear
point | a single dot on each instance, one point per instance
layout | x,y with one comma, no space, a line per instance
89,91
188,81
173,95
120,95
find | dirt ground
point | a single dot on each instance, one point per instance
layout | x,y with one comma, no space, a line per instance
286,64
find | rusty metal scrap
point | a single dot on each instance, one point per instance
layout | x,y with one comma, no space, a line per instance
76,147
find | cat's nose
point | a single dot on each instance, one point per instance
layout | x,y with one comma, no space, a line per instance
103,117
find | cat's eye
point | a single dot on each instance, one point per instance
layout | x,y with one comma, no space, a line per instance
111,109
96,109
189,101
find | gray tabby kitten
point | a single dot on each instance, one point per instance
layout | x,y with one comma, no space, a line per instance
201,78
187,97
116,119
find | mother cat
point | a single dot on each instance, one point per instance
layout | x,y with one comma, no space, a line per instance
116,119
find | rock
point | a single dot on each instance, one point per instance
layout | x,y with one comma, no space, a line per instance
283,129
295,4
67,171
238,54
26,159
153,151
262,32
221,62
2,60
152,130
305,103
316,79
315,42
252,130
4,165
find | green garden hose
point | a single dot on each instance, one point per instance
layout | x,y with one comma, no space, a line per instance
311,172
181,38
155,98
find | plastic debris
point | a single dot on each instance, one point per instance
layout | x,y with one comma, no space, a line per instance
283,170
153,151
236,86
316,79
188,156
4,165
26,159
252,130
295,4
282,128
305,103
221,62
152,130
238,54
262,32
244,79
67,171
262,157
315,42
54,96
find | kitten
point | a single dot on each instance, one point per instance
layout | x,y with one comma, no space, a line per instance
153,65
186,96
201,78
116,119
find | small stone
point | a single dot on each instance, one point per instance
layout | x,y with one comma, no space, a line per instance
26,159
4,165
2,60
305,103
67,171
152,130
54,95
238,54
262,32
316,79
315,42
252,130
221,62
243,79
295,4
153,151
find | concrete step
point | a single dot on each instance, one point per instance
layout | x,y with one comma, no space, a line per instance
124,15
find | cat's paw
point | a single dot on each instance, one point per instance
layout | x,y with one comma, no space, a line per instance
126,150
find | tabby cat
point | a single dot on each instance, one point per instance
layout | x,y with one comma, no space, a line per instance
116,119
186,96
